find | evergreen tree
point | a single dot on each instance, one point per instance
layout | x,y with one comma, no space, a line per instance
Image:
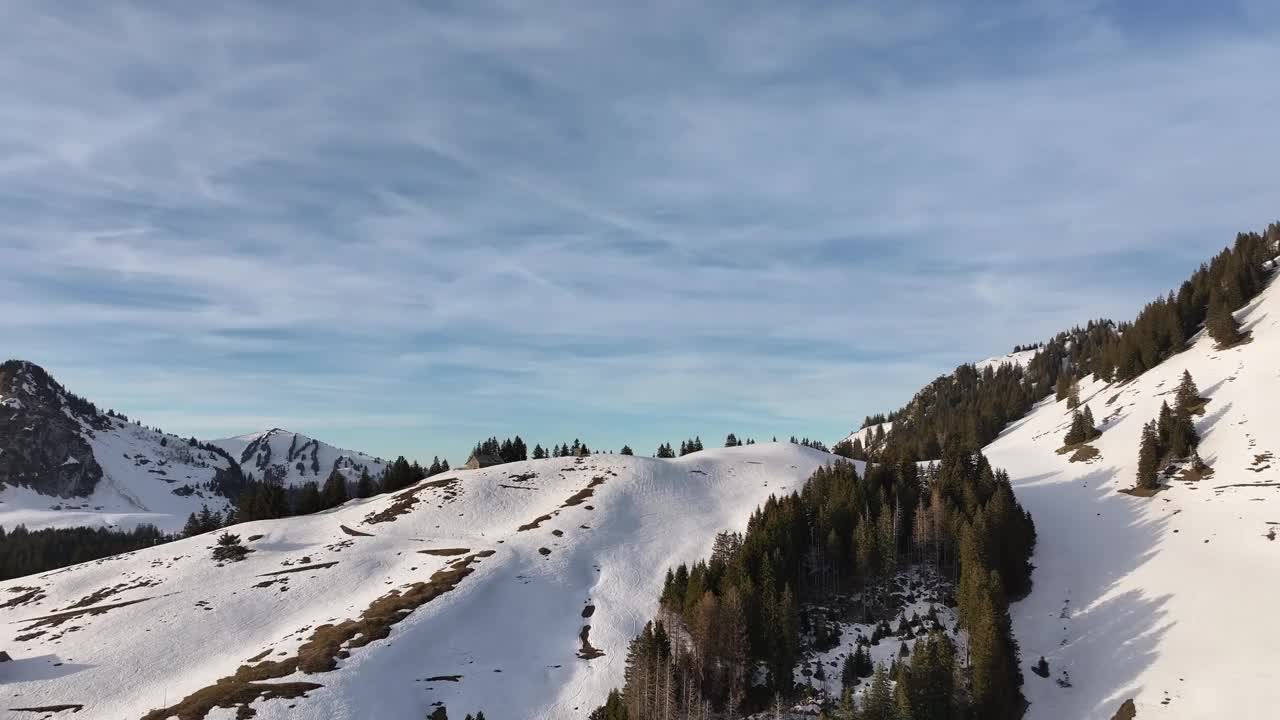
364,486
731,441
626,450
1221,323
1149,458
334,492
1076,434
878,703
1073,394
308,499
1188,394
1164,429
539,453
1090,425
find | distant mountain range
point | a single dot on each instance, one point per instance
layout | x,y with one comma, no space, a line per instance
64,462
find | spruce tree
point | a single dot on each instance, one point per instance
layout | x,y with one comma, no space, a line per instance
1076,434
1090,425
335,490
1221,323
1164,428
364,486
1188,394
878,702
1149,458
626,450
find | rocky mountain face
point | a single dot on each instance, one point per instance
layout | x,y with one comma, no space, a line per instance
290,458
43,430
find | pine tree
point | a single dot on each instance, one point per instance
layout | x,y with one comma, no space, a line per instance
1149,458
335,490
1188,394
364,486
1073,394
1164,428
192,527
1076,434
308,500
1221,323
1090,425
539,453
878,703
626,450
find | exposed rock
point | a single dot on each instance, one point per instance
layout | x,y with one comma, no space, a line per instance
42,433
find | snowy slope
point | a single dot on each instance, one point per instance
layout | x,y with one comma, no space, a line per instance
574,542
1019,359
864,434
1168,600
295,458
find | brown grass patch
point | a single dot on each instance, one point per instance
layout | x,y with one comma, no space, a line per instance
445,552
534,525
444,678
301,568
320,653
1142,492
582,495
1190,474
353,533
75,708
404,502
1080,452
1127,711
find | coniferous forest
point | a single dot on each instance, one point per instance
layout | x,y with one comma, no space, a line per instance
743,608
976,405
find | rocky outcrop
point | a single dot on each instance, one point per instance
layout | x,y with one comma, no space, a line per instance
42,433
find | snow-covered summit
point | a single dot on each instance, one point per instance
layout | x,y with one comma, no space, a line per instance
294,459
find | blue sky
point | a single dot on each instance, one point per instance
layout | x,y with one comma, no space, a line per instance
404,230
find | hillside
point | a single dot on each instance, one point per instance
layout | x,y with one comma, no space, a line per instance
1163,599
473,588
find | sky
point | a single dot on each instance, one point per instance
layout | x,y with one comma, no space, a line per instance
401,227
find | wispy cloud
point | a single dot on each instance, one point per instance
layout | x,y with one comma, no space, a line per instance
625,221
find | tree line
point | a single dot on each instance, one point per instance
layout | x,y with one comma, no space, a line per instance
976,405
841,532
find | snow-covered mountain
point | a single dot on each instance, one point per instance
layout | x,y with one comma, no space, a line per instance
1167,600
65,463
295,459
513,590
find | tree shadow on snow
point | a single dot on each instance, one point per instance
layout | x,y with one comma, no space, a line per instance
42,667
1090,538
